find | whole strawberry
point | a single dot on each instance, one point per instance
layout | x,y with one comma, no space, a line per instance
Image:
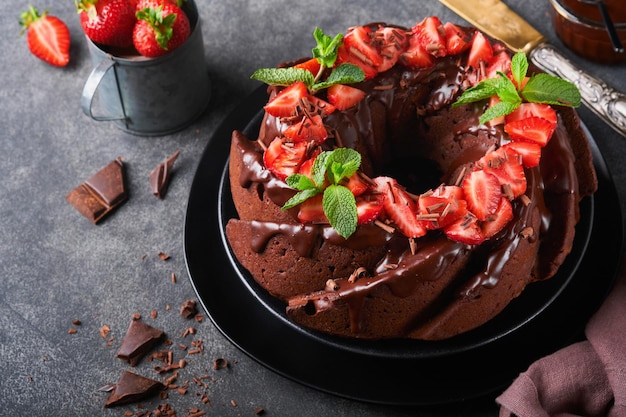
108,22
160,30
48,37
142,4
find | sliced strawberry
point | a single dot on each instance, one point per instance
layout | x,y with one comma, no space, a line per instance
392,42
368,209
47,37
308,129
399,207
531,129
306,168
285,103
506,165
356,185
416,56
284,158
344,96
457,40
359,42
525,110
500,120
481,51
465,230
317,105
501,62
431,35
312,65
530,152
448,208
344,56
312,210
498,220
482,192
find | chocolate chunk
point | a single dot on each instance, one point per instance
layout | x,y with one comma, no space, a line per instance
131,388
140,338
160,176
188,309
100,193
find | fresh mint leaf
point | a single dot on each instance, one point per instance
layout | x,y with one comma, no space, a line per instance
301,197
299,182
326,49
505,89
344,74
283,76
547,89
519,67
340,209
481,91
499,109
342,163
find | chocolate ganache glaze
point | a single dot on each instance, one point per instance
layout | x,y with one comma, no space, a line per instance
405,128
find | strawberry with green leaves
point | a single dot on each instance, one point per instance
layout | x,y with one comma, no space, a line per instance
160,29
108,22
47,37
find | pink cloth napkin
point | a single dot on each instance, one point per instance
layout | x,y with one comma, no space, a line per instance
585,379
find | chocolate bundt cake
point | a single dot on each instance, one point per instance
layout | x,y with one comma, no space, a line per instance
407,183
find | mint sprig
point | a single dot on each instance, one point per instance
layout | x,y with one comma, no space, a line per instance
326,54
540,88
329,171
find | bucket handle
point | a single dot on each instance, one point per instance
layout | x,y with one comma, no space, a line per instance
89,90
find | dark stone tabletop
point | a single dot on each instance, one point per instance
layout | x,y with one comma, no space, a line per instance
56,267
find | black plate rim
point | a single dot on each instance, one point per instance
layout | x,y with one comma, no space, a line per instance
437,389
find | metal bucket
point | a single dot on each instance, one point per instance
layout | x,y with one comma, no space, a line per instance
150,96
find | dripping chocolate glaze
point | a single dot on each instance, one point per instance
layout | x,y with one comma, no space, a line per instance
386,121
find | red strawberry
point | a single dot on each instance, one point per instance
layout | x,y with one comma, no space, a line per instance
312,65
482,192
530,152
501,62
416,55
392,42
312,211
284,158
506,164
356,185
344,96
317,105
399,207
308,129
481,51
344,56
465,230
531,129
108,22
368,209
286,102
142,4
498,220
358,42
457,40
48,37
160,30
525,110
431,35
447,202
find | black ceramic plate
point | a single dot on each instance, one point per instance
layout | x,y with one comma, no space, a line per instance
547,316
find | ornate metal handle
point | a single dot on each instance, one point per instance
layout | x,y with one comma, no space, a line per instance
603,100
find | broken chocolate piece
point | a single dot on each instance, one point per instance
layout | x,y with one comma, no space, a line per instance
100,193
140,338
131,388
160,175
188,309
